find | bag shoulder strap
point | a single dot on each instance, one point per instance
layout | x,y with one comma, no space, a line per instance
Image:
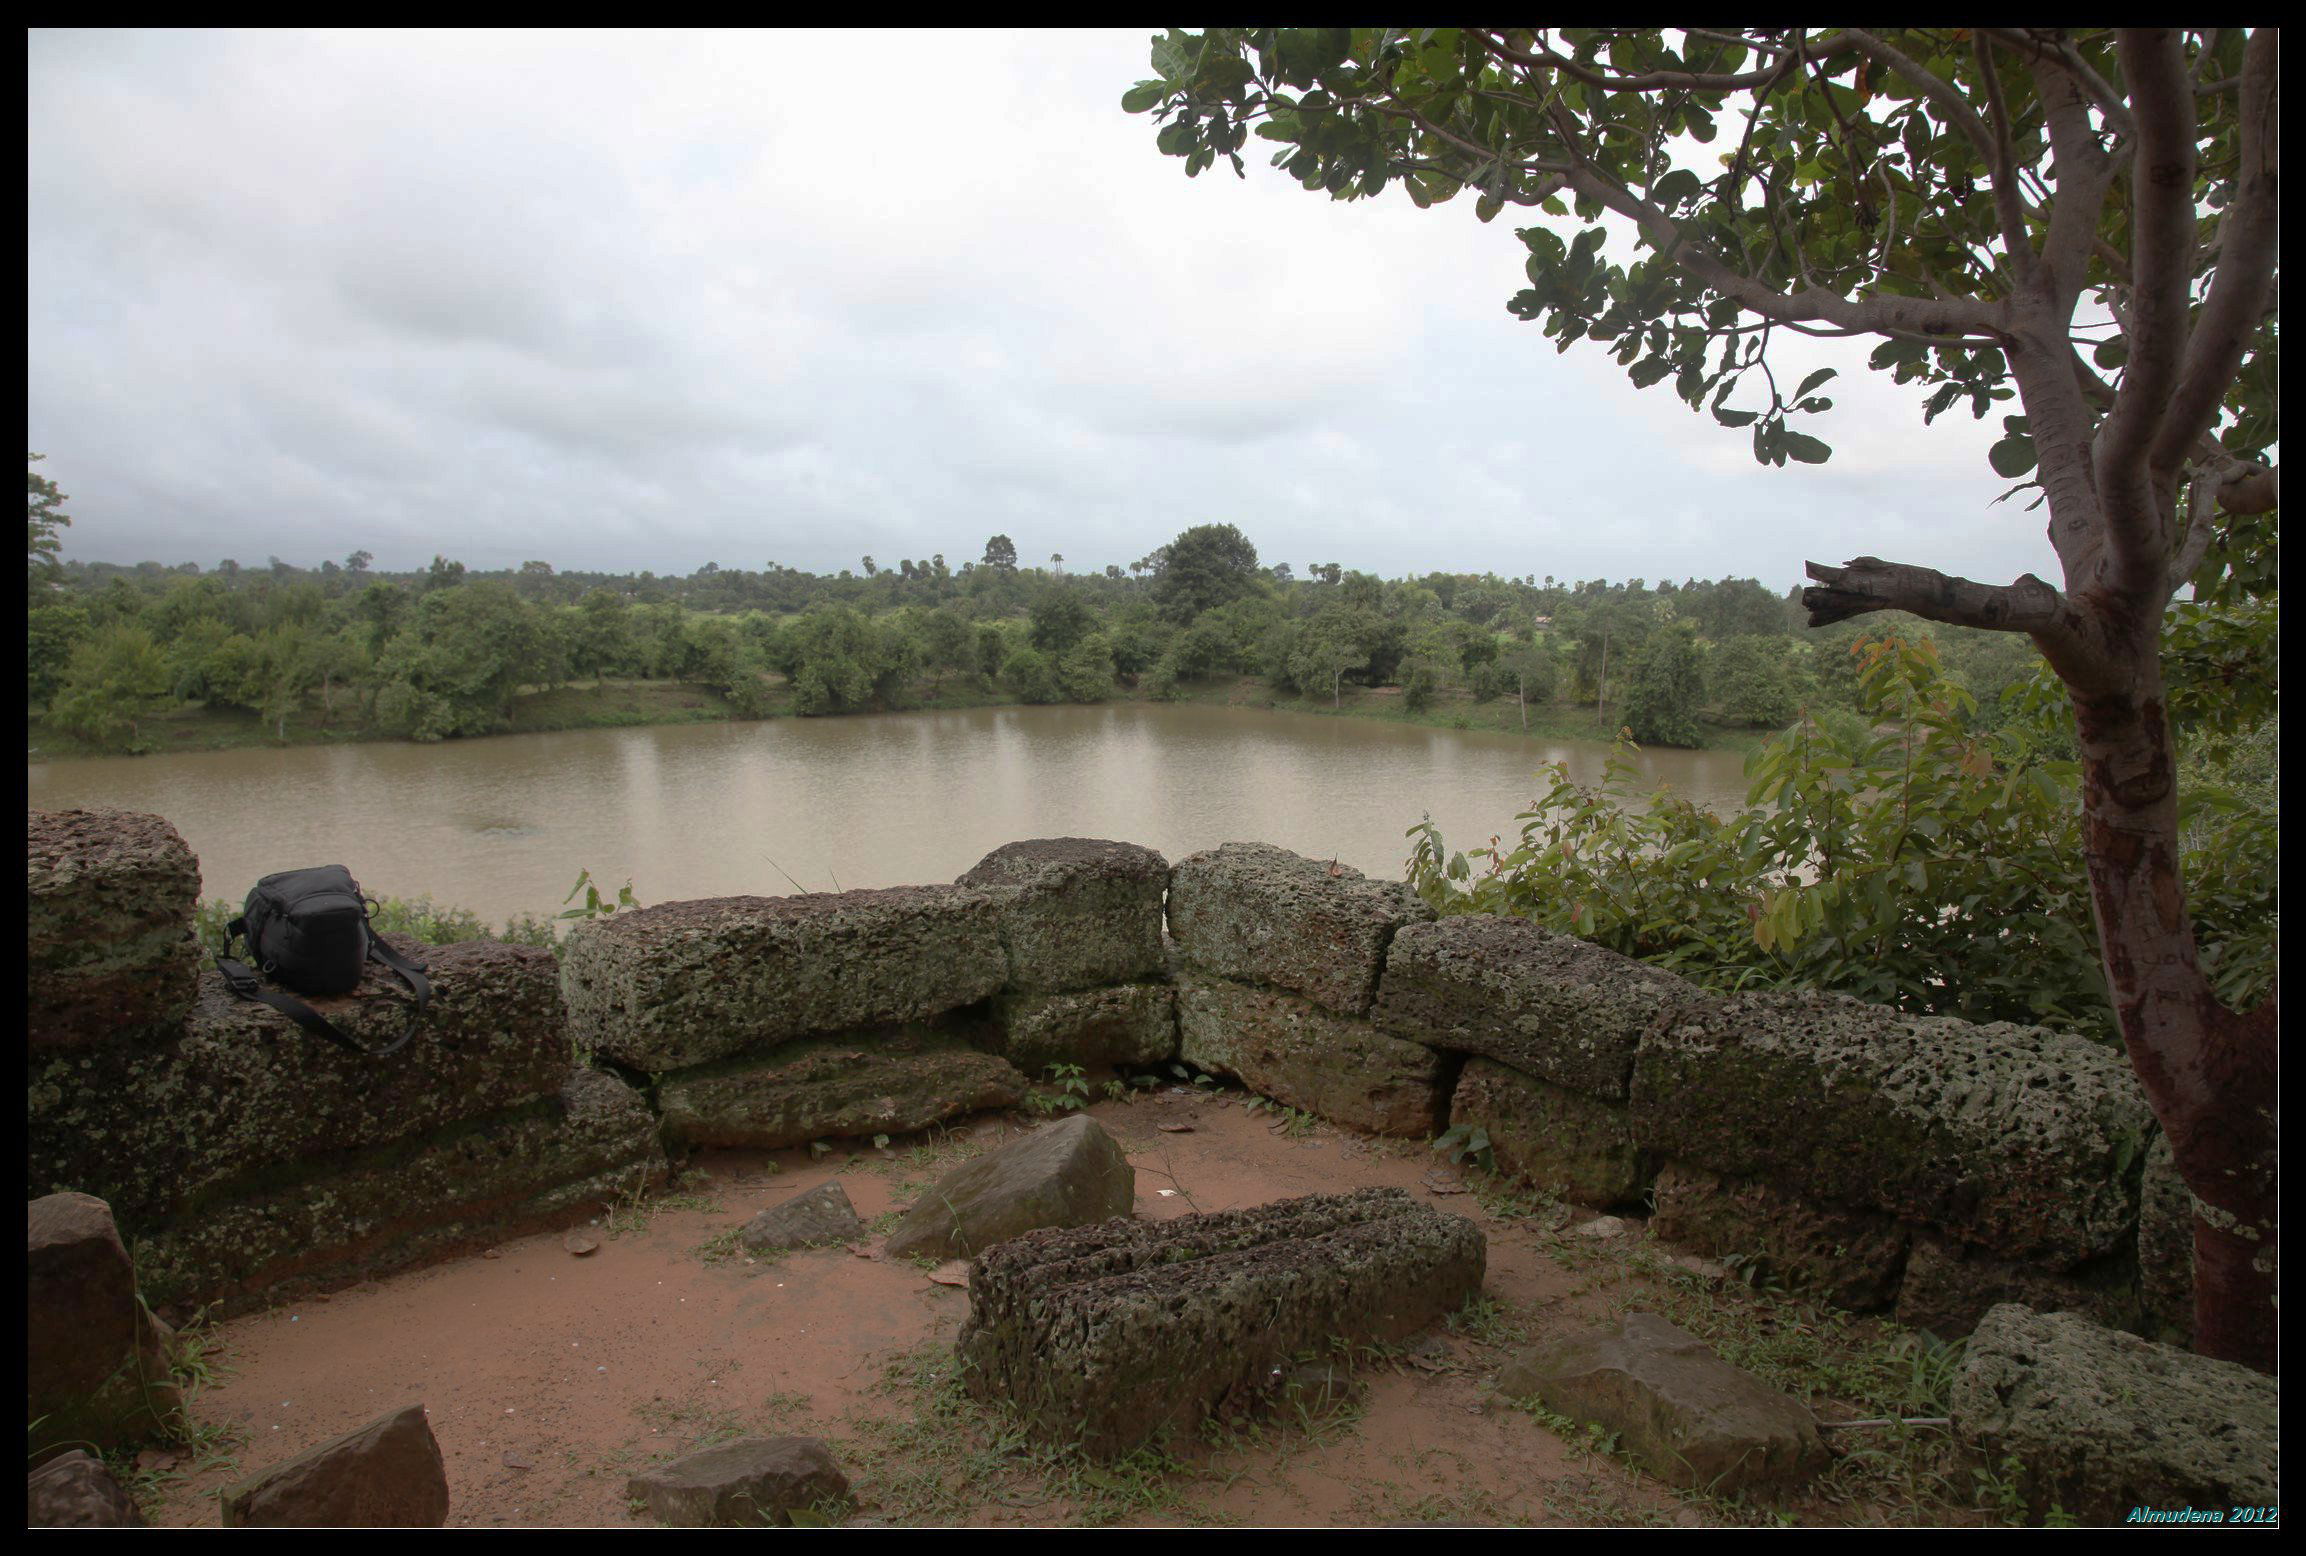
410,973
243,983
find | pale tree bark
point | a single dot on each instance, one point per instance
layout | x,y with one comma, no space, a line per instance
2112,484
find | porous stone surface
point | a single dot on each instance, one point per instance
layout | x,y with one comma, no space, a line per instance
1573,1143
823,1215
239,1087
1950,1286
108,949
75,1491
328,1223
884,1081
686,983
386,1475
751,1481
1688,1416
2165,1248
1293,1051
1854,1259
1260,914
2102,1422
1133,1026
95,1363
2020,1139
1109,1337
1550,1005
1075,912
1069,1173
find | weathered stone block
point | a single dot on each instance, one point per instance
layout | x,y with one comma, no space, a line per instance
1550,1005
2102,1423
95,1363
1133,1026
75,1491
350,1216
239,1087
1293,1051
2165,1248
1075,912
1691,1418
1260,914
1949,1287
2020,1139
823,1215
1069,1173
752,1481
108,949
876,1082
1854,1259
386,1475
1108,1337
1575,1144
686,983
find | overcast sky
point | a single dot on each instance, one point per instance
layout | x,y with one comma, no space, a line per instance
648,301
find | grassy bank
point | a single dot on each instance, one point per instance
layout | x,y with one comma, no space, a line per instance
624,704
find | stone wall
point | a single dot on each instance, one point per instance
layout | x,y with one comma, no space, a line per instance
1925,1166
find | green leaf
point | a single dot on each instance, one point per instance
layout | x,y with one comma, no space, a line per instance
2011,457
1806,449
1815,379
1144,95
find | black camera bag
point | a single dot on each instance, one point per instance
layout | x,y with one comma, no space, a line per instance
309,930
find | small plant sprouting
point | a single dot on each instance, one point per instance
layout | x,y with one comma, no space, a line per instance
1467,1142
1067,1088
594,905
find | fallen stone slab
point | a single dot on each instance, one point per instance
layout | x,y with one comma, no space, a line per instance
75,1491
1949,1287
2020,1139
1109,1337
1075,912
2103,1424
1131,1027
686,983
1566,1011
109,956
348,1217
1064,1174
95,1362
751,1481
386,1475
1255,913
823,1215
1574,1144
239,1087
1292,1050
1854,1259
2165,1249
875,1082
1689,1417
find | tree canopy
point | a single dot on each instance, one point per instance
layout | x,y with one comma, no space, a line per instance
2083,222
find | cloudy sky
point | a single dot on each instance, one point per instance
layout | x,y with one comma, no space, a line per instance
648,301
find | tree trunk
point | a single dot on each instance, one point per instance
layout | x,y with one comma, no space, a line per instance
1521,695
1601,687
2208,1072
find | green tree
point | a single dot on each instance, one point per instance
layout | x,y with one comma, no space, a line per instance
52,629
1752,681
1959,194
455,669
117,676
1060,620
1668,689
1001,554
603,638
1531,666
1207,566
46,517
1031,678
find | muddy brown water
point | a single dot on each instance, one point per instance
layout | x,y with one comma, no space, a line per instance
502,826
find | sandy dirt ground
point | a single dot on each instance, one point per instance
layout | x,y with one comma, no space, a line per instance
550,1376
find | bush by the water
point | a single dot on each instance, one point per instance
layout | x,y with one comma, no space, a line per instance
1913,857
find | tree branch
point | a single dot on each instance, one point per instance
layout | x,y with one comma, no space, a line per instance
2162,256
2249,238
1867,584
2251,488
2009,200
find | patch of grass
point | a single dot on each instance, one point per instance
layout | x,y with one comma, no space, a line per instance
722,1247
1486,1321
633,1210
692,1426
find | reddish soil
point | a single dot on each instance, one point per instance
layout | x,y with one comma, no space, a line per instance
550,1377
